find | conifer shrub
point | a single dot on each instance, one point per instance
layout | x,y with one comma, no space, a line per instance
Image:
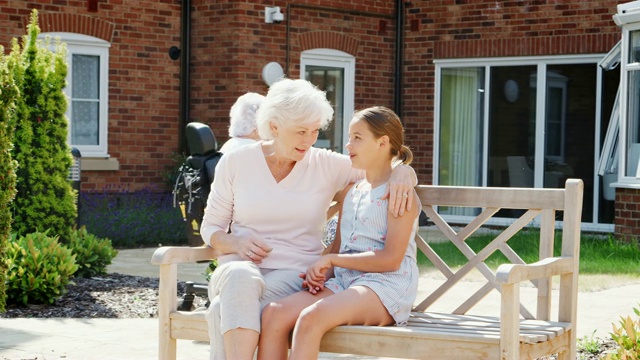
38,269
45,199
8,94
92,253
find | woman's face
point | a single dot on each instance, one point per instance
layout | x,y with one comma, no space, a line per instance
292,142
363,147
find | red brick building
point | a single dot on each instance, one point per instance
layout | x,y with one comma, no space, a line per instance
463,75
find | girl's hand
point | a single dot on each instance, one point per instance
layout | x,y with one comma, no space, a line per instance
253,249
316,274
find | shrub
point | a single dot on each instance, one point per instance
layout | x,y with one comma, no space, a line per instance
627,336
92,253
45,199
8,93
131,218
39,269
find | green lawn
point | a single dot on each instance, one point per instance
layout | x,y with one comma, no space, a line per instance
598,255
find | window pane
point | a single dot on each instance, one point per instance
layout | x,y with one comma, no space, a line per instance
611,81
86,69
512,104
84,129
633,124
85,100
330,80
571,105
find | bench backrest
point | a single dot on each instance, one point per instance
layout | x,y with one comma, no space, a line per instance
539,207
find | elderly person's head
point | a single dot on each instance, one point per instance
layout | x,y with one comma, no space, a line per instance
242,116
292,103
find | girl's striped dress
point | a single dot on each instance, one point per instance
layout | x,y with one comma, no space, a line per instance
363,227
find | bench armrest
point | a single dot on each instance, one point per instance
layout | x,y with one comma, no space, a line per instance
515,273
176,255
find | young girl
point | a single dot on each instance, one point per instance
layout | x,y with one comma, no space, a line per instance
376,276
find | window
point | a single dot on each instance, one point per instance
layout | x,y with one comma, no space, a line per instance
87,92
522,122
631,121
332,71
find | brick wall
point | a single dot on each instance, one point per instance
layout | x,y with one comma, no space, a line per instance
231,43
627,217
143,80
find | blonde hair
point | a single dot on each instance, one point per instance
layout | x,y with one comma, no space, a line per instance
383,121
293,102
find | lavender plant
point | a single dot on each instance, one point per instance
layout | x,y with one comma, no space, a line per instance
131,218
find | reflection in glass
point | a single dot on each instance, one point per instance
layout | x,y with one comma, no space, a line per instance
511,128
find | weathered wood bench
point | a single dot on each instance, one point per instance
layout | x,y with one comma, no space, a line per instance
514,333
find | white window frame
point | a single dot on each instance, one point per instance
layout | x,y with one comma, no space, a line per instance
626,68
79,44
337,59
541,62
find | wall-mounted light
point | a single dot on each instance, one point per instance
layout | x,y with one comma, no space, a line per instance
272,14
174,53
272,72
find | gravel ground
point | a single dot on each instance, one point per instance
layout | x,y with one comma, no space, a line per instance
124,296
109,296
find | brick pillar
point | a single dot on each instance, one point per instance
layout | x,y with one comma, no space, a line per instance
627,219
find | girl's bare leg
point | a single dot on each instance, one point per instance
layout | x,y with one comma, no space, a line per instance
278,319
358,305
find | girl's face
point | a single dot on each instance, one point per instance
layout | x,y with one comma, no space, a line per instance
363,147
292,142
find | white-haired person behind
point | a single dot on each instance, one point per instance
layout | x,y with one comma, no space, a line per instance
242,122
275,194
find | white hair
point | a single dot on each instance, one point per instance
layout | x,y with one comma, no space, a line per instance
293,102
242,116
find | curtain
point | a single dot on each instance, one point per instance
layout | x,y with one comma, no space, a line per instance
85,100
461,129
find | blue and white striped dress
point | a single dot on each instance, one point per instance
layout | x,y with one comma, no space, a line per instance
364,228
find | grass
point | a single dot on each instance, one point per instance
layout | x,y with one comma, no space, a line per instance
598,255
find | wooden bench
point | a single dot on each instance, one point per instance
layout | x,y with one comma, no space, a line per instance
514,333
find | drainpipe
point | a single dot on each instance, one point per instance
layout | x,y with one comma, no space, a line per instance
185,75
399,63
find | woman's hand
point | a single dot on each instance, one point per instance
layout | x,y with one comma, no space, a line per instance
316,274
403,180
253,249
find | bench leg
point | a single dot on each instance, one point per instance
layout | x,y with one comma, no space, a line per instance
509,323
167,303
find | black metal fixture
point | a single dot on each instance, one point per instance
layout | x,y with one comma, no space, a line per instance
174,53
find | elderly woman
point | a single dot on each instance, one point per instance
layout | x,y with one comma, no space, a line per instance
242,121
273,195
